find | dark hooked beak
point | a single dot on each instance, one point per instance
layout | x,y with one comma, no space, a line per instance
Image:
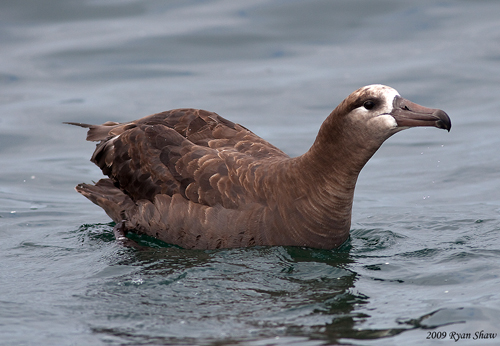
409,114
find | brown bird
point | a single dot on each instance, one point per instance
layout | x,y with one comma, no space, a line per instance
192,178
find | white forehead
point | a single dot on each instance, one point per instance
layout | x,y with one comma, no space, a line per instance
382,120
382,91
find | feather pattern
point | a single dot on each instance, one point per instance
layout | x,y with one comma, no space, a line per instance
192,178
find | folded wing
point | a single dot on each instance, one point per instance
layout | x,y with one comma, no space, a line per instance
193,153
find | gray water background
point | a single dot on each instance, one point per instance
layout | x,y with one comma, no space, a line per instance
424,253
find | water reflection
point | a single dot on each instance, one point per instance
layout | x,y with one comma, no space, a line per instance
233,293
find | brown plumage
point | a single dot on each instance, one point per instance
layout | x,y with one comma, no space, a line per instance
192,178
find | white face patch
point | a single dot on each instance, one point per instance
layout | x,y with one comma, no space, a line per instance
378,122
388,94
386,120
385,93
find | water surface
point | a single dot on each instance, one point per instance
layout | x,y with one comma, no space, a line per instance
424,253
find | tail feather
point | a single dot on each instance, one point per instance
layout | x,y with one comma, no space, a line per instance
106,195
101,132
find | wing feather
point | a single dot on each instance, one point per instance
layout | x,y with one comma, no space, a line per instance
190,152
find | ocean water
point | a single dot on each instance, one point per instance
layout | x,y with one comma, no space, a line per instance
423,262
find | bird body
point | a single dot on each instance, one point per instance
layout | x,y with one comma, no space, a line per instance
192,178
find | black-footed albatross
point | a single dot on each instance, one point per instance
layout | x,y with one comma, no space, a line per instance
192,178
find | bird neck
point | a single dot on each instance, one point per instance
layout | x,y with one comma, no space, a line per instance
322,185
340,150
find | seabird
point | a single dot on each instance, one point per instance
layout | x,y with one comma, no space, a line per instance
194,179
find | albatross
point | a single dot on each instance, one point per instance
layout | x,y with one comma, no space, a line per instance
194,179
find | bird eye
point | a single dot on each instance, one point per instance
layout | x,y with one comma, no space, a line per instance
369,104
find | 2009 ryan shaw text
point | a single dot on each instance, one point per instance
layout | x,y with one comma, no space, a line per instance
456,336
